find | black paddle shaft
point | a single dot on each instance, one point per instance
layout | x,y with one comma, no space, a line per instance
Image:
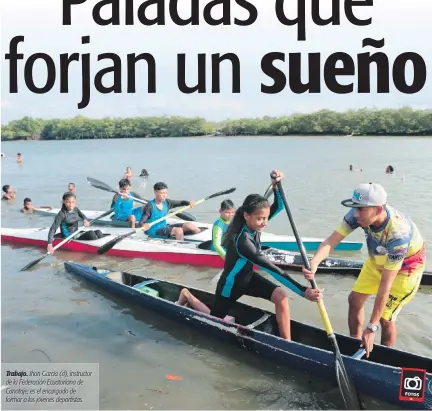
294,228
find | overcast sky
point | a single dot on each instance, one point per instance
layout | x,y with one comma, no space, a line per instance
406,26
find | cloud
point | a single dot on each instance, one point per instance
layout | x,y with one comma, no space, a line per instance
6,104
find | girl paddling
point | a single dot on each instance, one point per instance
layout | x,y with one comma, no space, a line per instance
243,251
67,219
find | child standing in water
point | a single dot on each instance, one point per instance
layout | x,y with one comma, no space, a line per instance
128,173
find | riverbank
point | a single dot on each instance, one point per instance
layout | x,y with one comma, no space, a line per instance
365,122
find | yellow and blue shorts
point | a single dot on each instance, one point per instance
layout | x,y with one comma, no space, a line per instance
402,291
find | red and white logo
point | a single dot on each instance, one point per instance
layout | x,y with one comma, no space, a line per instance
412,385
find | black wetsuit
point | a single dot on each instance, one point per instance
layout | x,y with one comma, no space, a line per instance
238,277
68,223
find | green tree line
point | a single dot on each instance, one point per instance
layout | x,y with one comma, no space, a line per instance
365,122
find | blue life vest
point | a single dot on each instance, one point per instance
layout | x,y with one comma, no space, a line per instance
156,214
123,208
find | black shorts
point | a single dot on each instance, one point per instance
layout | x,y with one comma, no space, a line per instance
164,232
90,235
258,286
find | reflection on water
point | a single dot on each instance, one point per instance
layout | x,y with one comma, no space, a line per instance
49,315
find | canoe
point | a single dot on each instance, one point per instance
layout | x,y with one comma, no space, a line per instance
178,252
282,242
256,330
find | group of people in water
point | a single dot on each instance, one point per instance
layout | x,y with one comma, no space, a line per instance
392,272
389,169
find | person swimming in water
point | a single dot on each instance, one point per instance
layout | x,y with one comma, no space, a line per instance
9,192
71,187
389,169
128,173
144,173
28,206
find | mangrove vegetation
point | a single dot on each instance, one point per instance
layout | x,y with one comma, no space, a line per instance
364,122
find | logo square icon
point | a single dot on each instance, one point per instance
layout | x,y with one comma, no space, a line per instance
412,385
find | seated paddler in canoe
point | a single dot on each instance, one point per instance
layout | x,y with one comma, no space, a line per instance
67,219
159,207
123,205
393,271
243,252
226,211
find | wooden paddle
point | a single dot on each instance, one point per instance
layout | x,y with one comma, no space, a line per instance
33,263
102,186
110,244
346,386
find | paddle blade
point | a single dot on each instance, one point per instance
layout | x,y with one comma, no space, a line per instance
99,184
111,243
346,385
33,263
221,193
186,216
107,246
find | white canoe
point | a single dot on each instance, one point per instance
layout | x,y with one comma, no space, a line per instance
281,242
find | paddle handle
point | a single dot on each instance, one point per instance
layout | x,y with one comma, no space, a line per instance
80,230
219,193
138,200
170,215
322,309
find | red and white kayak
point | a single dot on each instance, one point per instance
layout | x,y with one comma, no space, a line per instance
177,252
281,242
136,246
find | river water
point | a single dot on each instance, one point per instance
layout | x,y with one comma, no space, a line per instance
49,315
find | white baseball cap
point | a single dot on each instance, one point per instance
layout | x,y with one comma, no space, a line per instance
367,195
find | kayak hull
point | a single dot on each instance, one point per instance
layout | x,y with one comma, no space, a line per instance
281,242
178,252
256,331
152,249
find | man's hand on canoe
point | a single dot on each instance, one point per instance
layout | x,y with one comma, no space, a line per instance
368,339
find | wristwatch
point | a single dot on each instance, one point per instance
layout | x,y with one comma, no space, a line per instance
373,327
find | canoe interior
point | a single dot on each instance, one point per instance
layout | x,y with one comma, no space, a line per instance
246,315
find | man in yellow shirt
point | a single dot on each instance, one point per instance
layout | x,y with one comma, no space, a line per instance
393,271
